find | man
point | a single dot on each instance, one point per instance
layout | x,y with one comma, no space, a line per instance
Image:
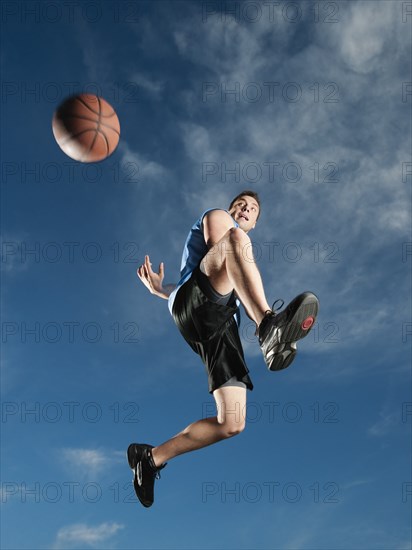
216,274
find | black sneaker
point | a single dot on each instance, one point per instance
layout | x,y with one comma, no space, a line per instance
278,332
139,456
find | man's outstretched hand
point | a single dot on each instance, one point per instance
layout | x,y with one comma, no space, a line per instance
153,281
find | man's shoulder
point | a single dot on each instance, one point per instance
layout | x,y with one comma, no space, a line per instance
217,217
215,213
215,224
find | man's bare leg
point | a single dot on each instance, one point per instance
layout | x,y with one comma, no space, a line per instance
230,420
229,265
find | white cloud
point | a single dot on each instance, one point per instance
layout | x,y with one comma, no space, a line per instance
17,252
154,87
356,483
308,132
366,33
197,142
313,521
385,425
241,46
79,534
137,167
95,53
89,462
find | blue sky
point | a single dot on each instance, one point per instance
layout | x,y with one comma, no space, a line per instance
310,105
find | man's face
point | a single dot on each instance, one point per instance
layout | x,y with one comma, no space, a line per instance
245,212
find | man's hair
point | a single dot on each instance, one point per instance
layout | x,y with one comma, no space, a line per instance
248,193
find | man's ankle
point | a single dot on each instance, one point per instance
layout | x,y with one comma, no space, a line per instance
154,457
261,316
267,314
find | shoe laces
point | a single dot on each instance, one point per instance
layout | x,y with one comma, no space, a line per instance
275,309
157,474
271,312
138,472
156,469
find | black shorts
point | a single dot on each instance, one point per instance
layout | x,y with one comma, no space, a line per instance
212,332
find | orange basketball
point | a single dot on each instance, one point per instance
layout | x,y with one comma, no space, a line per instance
86,128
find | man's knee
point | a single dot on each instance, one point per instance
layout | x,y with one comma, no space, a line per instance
237,235
234,242
231,429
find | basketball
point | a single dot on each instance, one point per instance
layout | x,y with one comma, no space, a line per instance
86,128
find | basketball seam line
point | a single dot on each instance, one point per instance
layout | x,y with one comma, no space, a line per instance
91,120
99,113
98,129
90,148
87,106
83,132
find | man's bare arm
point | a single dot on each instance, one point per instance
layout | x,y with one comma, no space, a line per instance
215,225
154,281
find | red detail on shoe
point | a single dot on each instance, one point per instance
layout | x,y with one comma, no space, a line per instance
307,323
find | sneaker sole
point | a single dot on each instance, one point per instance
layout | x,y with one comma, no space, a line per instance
283,359
303,318
305,308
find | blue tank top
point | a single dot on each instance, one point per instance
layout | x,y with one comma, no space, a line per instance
194,250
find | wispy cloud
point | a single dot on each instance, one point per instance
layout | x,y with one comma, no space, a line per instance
154,87
89,462
138,167
80,535
17,253
198,143
96,53
243,46
356,483
369,30
385,425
